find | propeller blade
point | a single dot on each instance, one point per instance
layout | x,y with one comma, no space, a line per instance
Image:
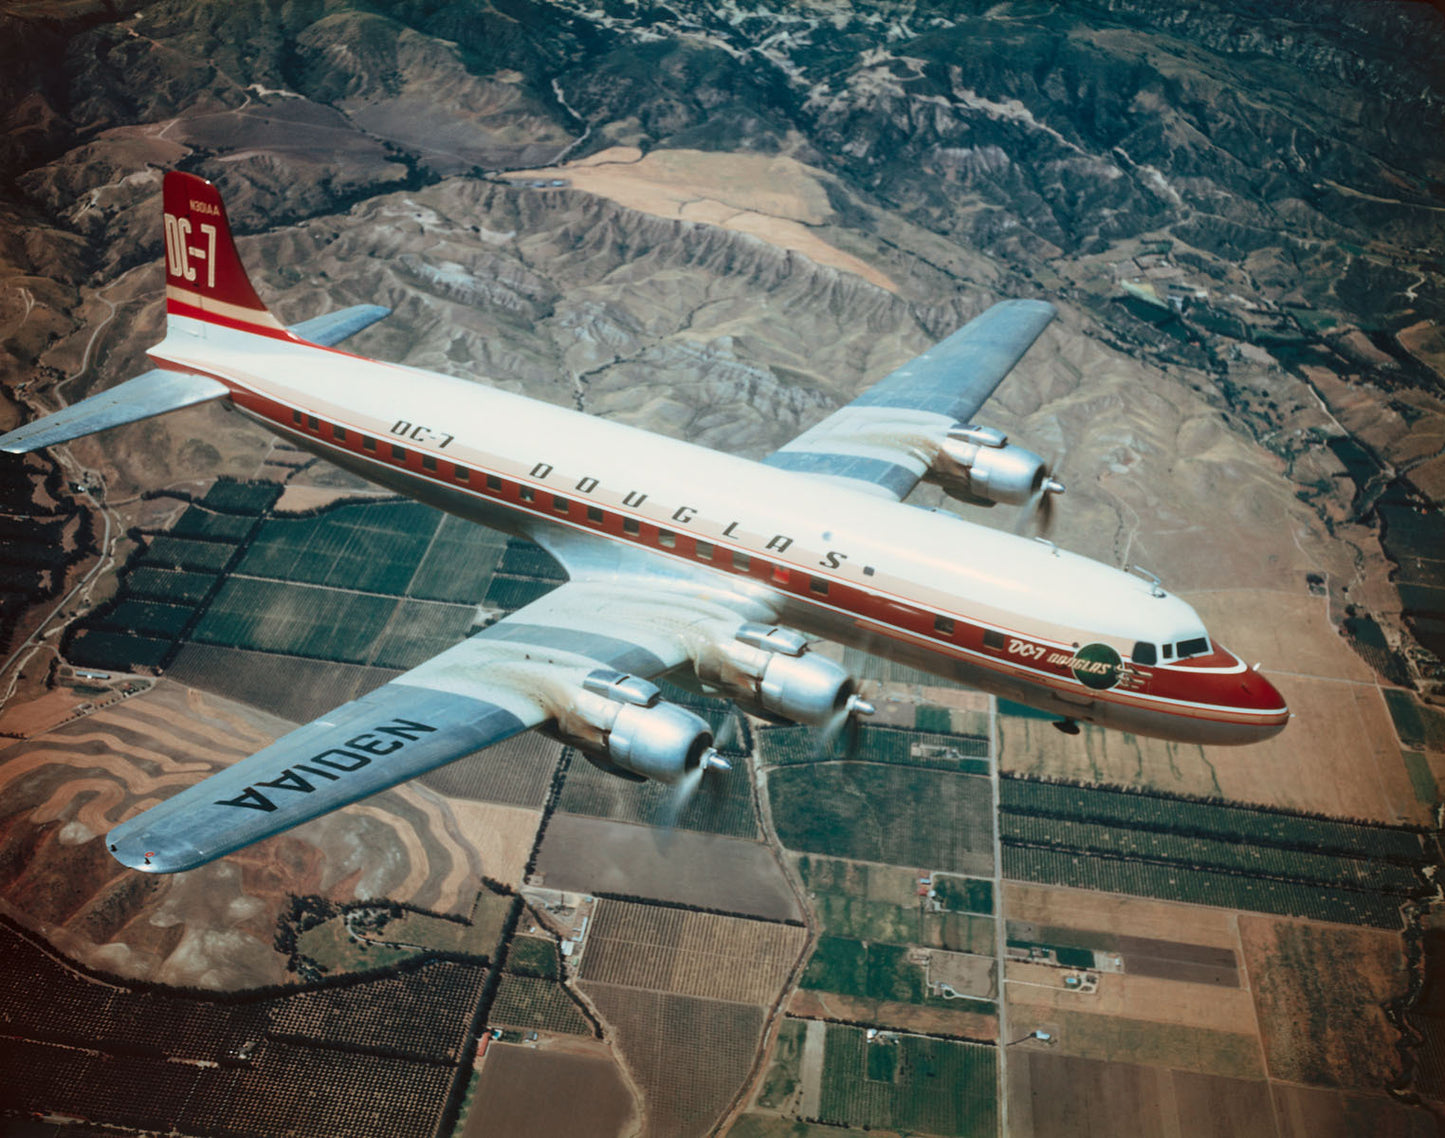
843,726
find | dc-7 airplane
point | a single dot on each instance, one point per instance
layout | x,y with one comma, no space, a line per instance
681,560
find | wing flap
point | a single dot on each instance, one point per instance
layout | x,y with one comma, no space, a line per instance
885,440
153,393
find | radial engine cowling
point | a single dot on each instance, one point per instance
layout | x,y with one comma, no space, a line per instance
624,721
771,669
978,465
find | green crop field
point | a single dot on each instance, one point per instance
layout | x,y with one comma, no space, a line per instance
925,1085
963,894
784,1074
1211,853
229,497
325,624
145,617
534,956
1176,815
723,803
181,553
523,559
372,546
510,593
536,1004
167,587
114,651
872,971
968,754
1176,882
900,815
418,630
206,526
458,564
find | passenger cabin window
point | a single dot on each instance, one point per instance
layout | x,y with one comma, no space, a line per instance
594,515
526,493
819,586
943,625
1144,653
312,423
632,526
338,432
398,453
993,639
368,443
741,561
461,474
704,550
296,417
429,461
781,575
667,539
1197,646
559,503
493,483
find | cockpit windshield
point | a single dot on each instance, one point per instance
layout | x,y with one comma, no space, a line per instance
1149,654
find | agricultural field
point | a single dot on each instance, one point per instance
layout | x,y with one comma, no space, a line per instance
881,903
1207,853
591,855
723,803
971,1020
458,563
908,1083
206,526
781,1084
534,956
901,815
878,972
1061,1096
164,552
968,754
419,630
688,1056
515,772
144,617
300,620
518,1086
689,953
530,1003
290,686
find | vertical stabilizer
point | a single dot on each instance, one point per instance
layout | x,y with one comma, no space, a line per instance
204,277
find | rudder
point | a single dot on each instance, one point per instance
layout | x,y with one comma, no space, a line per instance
205,279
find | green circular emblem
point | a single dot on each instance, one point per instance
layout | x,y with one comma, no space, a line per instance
1096,666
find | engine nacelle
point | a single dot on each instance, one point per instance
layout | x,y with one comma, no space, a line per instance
770,669
624,721
978,465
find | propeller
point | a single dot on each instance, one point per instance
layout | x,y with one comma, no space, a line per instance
706,775
842,727
1037,513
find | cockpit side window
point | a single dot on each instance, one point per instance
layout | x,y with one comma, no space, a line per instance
1168,651
1144,653
1196,646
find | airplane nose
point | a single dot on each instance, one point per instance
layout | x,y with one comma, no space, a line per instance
1258,694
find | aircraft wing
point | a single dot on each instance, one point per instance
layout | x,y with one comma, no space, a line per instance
885,440
160,390
516,674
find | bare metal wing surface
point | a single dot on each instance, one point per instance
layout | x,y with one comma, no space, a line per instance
577,660
160,390
890,437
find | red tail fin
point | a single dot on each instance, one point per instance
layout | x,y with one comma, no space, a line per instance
204,277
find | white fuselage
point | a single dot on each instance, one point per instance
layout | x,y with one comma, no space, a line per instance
609,498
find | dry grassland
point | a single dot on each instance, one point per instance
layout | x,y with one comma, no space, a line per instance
500,836
774,198
1063,1096
956,1020
690,953
1138,916
1035,989
1316,1112
1318,991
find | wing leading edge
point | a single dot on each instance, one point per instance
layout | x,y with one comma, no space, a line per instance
886,440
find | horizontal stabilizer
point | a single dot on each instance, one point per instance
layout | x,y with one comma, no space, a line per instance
331,329
153,393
